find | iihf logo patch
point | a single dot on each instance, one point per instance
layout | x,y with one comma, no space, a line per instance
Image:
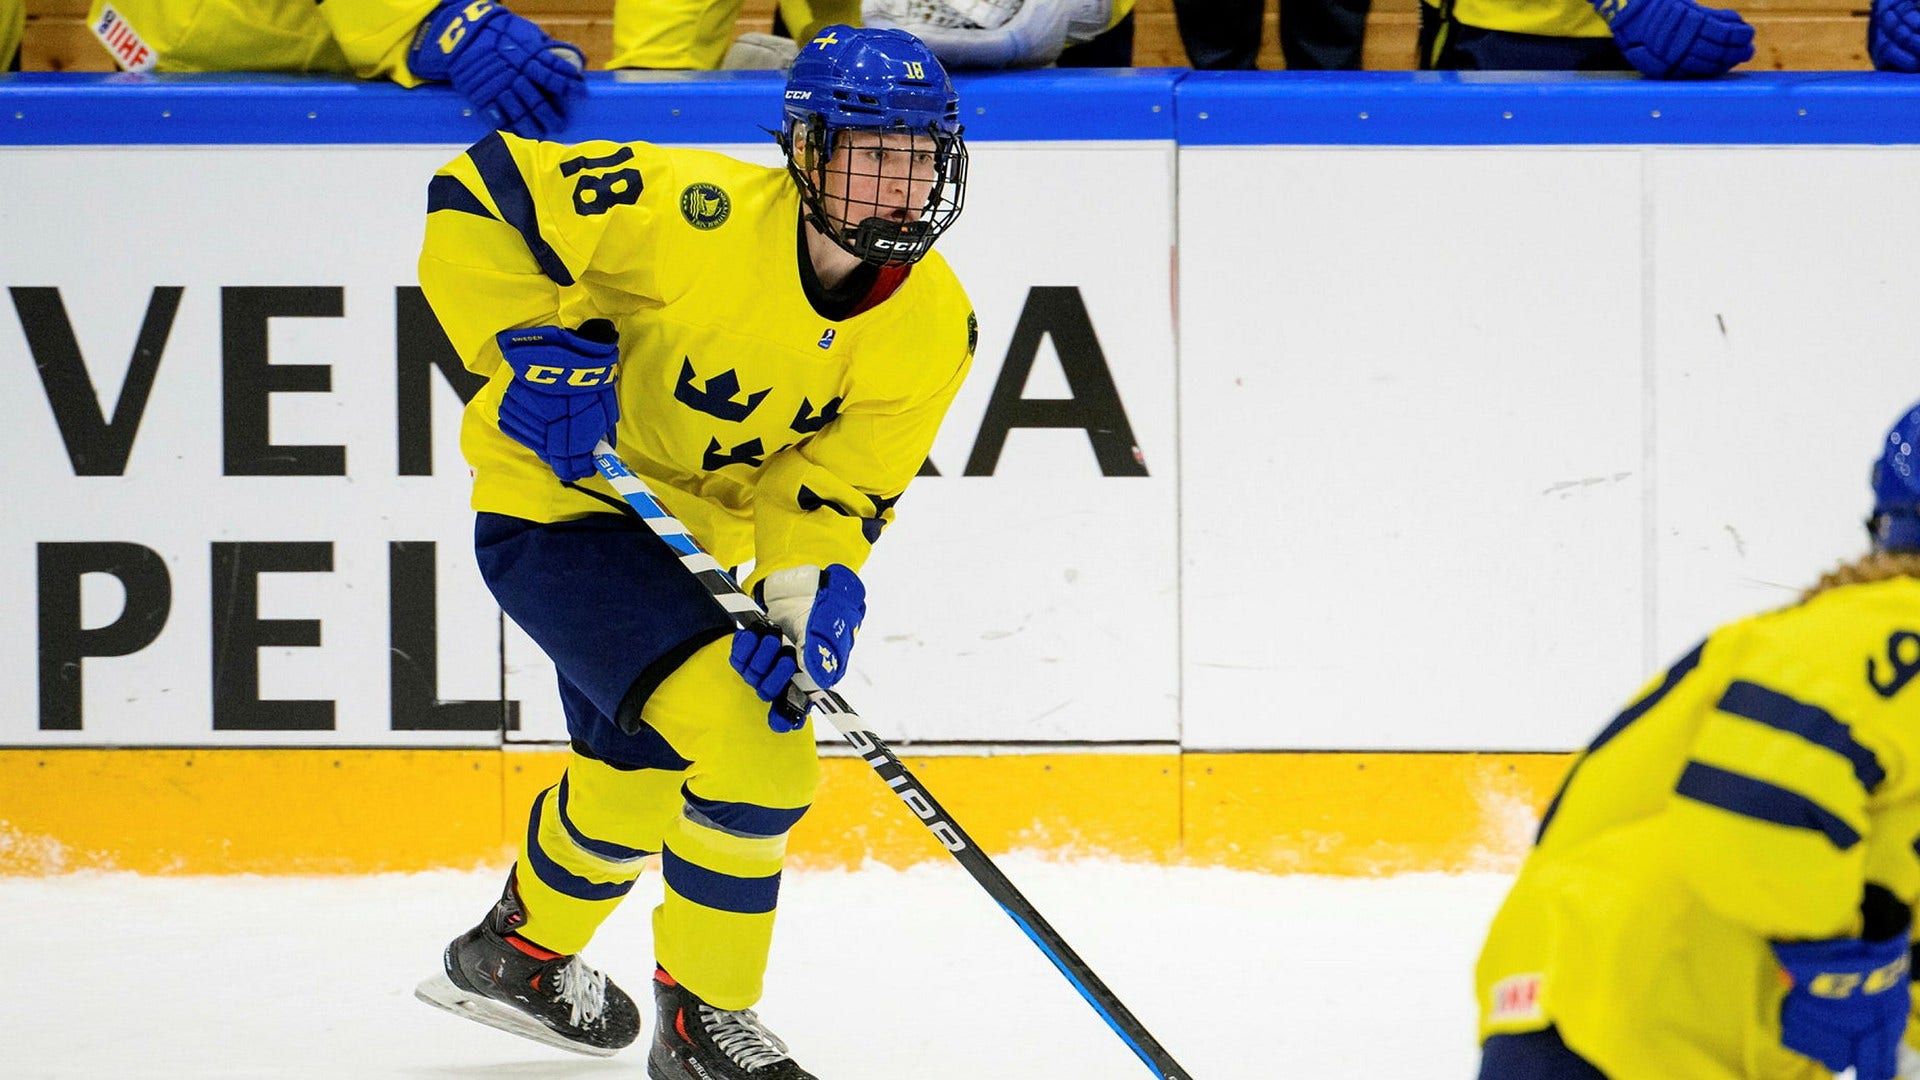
1516,997
123,41
826,339
705,206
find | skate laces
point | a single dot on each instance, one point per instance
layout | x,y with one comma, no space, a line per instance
583,989
740,1035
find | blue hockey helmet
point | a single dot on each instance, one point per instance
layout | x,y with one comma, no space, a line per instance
889,83
1895,524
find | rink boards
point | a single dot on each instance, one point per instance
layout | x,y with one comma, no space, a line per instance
1339,453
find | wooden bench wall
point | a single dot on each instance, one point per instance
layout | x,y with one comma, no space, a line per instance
1789,35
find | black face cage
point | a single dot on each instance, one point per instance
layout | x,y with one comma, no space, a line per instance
870,231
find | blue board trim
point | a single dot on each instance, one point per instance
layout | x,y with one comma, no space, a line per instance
736,107
1403,108
1209,108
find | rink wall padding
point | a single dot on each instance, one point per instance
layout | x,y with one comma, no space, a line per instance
1356,443
360,811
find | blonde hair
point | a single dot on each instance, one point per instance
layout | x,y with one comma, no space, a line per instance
1873,566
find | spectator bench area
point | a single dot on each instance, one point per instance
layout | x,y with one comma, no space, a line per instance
1789,35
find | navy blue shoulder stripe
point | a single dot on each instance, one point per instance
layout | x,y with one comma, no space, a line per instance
1748,797
1655,696
1680,669
447,193
1810,722
502,176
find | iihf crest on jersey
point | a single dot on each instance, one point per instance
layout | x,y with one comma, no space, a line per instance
704,205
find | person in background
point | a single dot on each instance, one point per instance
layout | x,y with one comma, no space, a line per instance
1723,887
1315,35
518,78
697,35
1661,39
13,23
772,350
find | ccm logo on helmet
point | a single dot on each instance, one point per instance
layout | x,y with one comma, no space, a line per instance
799,95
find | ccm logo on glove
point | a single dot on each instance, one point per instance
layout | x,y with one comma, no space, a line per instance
562,399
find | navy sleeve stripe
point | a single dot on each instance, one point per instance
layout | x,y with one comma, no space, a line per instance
721,892
446,193
1748,797
502,176
1810,722
1677,672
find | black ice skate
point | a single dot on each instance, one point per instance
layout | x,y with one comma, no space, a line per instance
511,984
695,1041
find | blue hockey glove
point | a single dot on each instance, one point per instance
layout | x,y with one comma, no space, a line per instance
1893,35
518,77
1677,39
1848,1005
819,610
562,398
768,666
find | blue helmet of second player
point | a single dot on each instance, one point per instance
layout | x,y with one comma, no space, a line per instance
873,138
1895,524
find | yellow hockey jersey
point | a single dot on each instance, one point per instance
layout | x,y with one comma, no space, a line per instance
13,22
773,433
1548,18
1747,796
366,38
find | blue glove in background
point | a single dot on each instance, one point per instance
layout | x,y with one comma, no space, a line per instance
562,398
1848,1005
519,78
1677,39
820,610
768,666
1893,35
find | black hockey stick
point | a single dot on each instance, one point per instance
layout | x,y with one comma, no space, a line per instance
890,769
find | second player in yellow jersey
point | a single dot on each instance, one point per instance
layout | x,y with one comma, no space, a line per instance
1723,887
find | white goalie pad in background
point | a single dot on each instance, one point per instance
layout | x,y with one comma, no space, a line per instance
993,33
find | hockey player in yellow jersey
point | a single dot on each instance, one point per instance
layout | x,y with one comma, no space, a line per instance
516,76
1723,887
772,350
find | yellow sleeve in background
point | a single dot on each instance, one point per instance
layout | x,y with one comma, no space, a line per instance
691,35
374,35
367,38
680,35
13,23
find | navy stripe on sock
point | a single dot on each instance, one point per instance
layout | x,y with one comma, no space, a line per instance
559,878
605,849
743,819
721,892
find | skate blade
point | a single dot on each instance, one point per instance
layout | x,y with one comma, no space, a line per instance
441,993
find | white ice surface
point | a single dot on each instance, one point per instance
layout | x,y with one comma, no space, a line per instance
876,974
